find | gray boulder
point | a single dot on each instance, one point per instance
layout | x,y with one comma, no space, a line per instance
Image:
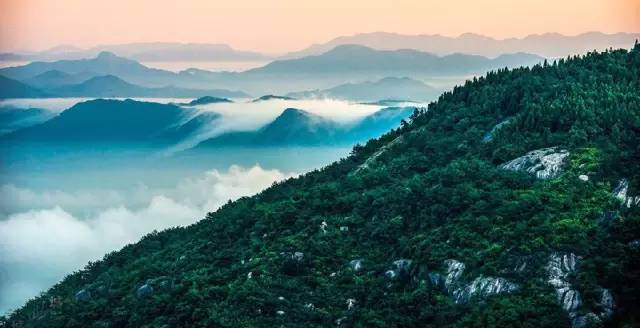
83,295
144,291
544,163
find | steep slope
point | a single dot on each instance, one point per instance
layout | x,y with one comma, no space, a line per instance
10,88
427,226
386,88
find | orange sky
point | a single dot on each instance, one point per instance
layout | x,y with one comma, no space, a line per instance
286,25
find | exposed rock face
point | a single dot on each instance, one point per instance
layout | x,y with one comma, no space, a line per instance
621,192
144,291
544,163
455,269
483,287
83,295
479,287
559,268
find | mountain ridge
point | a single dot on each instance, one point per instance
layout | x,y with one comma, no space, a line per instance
427,225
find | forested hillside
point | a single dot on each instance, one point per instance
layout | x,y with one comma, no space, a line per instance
509,202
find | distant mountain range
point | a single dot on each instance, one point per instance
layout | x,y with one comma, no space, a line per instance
149,52
547,45
115,122
113,86
343,64
389,87
357,59
10,88
105,123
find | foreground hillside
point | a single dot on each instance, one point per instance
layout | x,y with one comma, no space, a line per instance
510,202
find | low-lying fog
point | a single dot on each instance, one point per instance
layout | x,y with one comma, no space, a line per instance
59,211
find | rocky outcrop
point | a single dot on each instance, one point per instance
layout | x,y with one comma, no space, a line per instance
621,192
144,291
83,295
483,287
544,163
455,269
559,269
452,283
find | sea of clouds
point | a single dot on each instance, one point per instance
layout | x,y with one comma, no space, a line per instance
45,235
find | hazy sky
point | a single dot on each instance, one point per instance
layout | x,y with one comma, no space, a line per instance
286,25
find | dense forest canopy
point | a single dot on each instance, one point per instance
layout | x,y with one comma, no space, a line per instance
423,226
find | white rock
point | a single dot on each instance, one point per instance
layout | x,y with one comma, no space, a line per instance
543,163
323,227
351,303
483,287
280,312
559,268
455,269
583,177
356,264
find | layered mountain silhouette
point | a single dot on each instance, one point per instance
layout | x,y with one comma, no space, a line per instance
337,66
115,122
389,87
351,58
113,86
10,88
146,51
546,45
297,127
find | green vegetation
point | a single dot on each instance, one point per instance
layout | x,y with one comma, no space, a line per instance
431,190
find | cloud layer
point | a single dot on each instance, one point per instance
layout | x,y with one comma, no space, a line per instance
63,231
